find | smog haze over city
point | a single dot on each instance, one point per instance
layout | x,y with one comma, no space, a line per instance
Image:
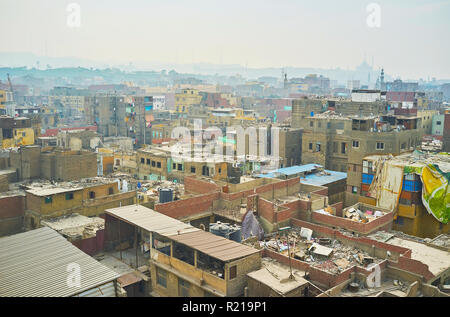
247,150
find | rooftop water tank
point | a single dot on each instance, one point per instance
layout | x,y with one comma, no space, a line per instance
219,229
165,195
232,232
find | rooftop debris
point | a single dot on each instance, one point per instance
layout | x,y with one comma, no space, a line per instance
324,253
75,226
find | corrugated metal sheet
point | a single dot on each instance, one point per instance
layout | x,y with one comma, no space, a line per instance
128,279
107,290
36,264
150,220
214,246
206,242
318,179
292,170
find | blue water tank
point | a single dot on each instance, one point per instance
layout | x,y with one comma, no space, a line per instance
225,230
235,233
219,229
165,195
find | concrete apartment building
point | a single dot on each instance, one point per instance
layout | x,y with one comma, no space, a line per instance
156,163
186,99
32,162
406,175
126,116
15,132
446,137
339,141
87,197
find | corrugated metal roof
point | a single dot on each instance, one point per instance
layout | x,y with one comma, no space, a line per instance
320,179
292,170
206,242
35,264
217,247
150,220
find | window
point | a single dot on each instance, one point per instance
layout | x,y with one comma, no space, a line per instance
110,191
148,161
183,287
320,124
48,199
335,147
69,196
311,124
380,146
220,170
329,125
158,164
161,277
153,163
354,189
438,122
310,146
355,144
180,167
343,148
91,195
318,147
233,272
174,166
192,169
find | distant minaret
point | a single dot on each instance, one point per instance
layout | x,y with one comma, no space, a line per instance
382,79
285,81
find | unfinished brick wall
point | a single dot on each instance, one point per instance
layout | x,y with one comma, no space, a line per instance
266,210
325,279
188,207
414,266
338,207
401,256
362,228
12,211
198,186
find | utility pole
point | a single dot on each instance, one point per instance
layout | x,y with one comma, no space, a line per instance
291,276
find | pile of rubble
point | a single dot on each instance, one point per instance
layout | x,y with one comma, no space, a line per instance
324,253
75,227
151,188
442,240
364,217
431,144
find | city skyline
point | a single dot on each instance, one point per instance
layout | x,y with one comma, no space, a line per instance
329,36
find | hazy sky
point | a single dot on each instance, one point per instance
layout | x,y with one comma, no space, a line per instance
412,42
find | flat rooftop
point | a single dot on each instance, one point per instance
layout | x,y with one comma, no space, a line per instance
46,188
75,225
417,159
437,260
276,276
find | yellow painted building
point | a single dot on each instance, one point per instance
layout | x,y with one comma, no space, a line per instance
21,137
5,96
186,99
91,200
